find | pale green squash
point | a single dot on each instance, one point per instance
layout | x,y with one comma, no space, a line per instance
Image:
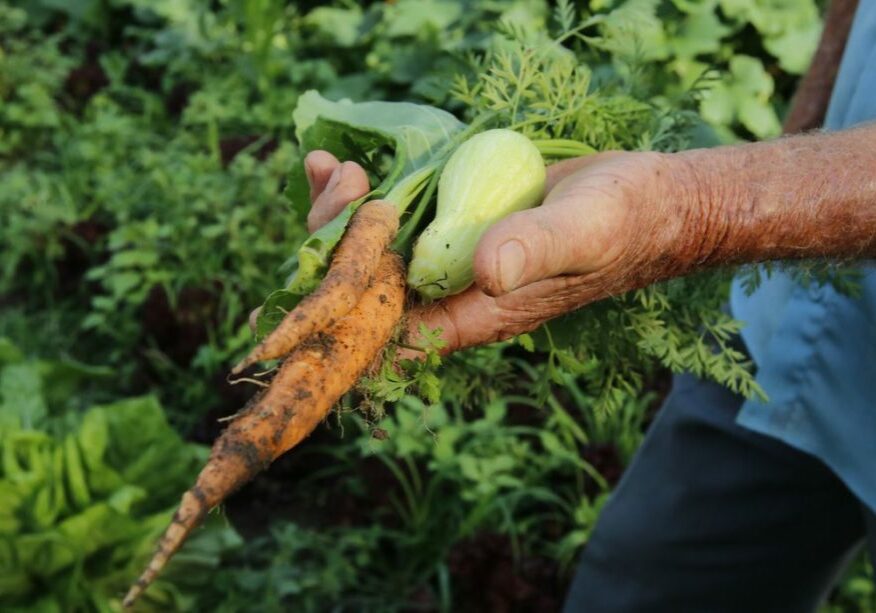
489,176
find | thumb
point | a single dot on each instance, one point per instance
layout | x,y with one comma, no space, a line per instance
573,232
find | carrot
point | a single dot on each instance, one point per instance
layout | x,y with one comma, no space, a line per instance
309,383
371,229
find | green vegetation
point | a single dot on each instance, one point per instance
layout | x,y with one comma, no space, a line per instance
85,492
144,152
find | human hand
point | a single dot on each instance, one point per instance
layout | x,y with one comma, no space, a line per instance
609,223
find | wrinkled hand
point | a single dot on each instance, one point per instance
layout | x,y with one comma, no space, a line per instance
609,223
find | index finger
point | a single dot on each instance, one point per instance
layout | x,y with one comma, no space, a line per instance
319,166
348,182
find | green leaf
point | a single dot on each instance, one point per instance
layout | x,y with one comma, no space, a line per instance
122,283
695,6
134,258
634,32
9,353
744,94
758,117
64,381
790,28
415,17
416,132
495,412
21,394
526,341
340,26
699,33
93,438
795,47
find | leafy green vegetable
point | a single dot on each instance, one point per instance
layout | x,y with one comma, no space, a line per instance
85,495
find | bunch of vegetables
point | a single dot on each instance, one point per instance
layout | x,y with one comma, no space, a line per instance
444,183
340,329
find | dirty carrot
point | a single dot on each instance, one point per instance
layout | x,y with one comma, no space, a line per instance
311,380
371,229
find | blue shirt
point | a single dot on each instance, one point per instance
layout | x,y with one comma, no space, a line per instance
815,349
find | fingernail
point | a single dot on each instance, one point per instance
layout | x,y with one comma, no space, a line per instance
512,258
333,181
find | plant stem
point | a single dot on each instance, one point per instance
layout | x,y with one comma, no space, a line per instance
563,148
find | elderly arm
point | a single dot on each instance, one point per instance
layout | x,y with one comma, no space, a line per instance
799,197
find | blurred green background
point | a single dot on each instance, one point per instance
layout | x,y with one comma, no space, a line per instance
144,147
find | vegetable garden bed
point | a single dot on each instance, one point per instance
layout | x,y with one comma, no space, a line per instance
145,150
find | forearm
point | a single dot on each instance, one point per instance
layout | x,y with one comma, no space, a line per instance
798,197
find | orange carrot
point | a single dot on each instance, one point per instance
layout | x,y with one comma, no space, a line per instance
311,380
371,229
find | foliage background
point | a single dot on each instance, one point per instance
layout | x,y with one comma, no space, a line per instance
143,151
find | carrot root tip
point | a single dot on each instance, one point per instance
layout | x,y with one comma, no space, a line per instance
240,366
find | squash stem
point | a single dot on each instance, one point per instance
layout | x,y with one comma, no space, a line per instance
562,148
405,191
404,240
